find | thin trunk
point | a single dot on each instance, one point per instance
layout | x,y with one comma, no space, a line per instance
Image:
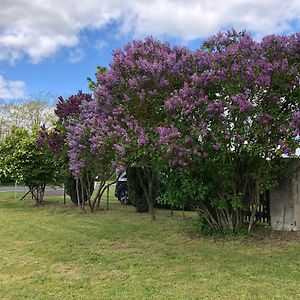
237,218
211,220
148,192
83,188
42,192
151,196
220,217
38,195
254,207
229,218
88,189
107,198
101,191
97,199
33,194
77,193
102,187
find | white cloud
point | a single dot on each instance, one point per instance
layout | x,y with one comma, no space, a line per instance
40,28
100,44
11,89
194,19
76,55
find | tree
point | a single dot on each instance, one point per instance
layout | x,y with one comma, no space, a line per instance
224,114
67,112
135,190
73,141
234,119
90,155
28,114
132,95
22,161
92,84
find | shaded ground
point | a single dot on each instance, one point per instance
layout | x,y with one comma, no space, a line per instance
274,237
260,235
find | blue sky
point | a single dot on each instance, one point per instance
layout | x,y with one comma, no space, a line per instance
49,47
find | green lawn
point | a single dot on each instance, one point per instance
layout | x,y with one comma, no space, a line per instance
58,252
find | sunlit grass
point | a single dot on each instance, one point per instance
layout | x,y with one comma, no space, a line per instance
59,252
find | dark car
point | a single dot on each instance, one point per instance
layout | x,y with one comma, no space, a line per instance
121,191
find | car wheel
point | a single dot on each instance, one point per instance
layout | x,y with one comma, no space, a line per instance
123,196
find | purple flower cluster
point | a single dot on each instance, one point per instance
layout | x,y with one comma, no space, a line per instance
169,103
53,138
242,101
216,108
76,147
70,106
264,118
295,123
167,134
284,147
70,112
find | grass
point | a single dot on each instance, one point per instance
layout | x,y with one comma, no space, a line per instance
59,252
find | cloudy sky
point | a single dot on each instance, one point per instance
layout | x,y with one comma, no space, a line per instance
51,46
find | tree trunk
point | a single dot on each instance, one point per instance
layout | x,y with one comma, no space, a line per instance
148,190
95,203
38,193
135,191
254,206
77,192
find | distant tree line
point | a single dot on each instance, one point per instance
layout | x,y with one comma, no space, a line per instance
28,114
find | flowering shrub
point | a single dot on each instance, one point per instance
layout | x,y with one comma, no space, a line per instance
230,108
244,117
68,113
90,154
216,122
131,97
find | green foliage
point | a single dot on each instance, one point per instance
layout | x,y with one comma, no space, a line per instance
22,161
180,189
204,228
223,190
91,83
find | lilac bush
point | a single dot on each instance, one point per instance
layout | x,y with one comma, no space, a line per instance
231,108
244,117
57,139
131,97
89,153
215,121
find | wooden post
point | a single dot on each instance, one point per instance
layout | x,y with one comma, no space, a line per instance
107,198
25,195
15,190
64,195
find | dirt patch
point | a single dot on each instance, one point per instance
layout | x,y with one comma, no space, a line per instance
262,235
65,270
274,237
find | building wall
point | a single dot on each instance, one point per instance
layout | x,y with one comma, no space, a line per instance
285,202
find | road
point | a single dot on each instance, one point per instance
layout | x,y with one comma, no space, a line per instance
57,191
